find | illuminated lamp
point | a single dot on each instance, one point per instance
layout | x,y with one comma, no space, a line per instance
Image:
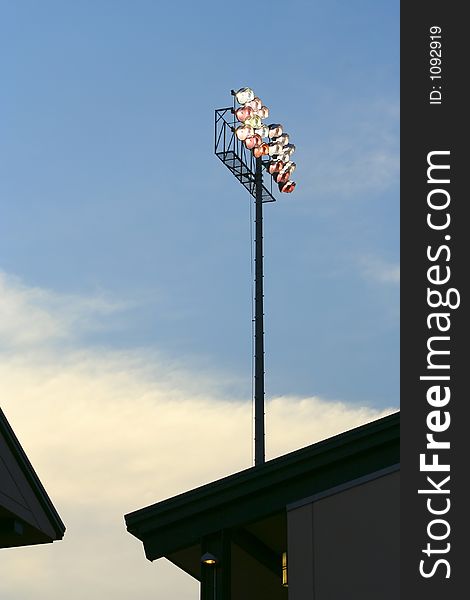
281,177
209,559
243,132
275,130
254,121
275,148
291,187
289,148
243,113
282,139
255,104
253,141
262,150
290,166
263,112
287,187
262,131
275,166
244,95
286,152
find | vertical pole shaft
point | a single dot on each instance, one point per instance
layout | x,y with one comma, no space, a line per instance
259,319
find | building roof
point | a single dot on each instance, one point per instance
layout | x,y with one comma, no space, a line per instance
252,503
27,515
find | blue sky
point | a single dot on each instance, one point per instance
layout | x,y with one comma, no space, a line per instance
124,241
110,184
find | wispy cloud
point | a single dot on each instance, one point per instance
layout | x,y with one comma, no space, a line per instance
360,155
109,432
32,315
377,270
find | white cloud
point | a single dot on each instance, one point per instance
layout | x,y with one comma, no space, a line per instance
31,315
377,270
109,432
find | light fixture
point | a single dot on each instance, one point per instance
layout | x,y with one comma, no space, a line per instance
275,130
282,176
290,166
263,112
244,95
287,187
261,150
254,121
209,559
275,166
286,152
252,131
275,148
255,104
243,113
243,132
262,131
252,141
290,148
284,569
282,139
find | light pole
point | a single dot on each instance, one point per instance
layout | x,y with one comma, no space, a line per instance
239,143
259,318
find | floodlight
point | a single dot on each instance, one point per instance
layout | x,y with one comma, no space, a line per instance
243,132
244,95
243,113
254,121
289,148
254,140
286,152
265,148
262,131
282,176
282,139
287,187
255,104
275,166
262,150
275,130
290,167
275,148
263,112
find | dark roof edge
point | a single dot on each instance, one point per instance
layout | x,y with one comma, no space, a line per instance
31,476
368,435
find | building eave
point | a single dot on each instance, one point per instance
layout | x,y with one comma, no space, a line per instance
31,532
266,489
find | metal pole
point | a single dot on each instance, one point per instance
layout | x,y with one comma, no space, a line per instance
259,327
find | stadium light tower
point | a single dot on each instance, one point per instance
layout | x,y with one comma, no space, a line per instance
249,148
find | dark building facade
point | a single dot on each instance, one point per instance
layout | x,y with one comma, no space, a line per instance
320,523
27,515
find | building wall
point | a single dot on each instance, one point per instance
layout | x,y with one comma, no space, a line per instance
344,543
